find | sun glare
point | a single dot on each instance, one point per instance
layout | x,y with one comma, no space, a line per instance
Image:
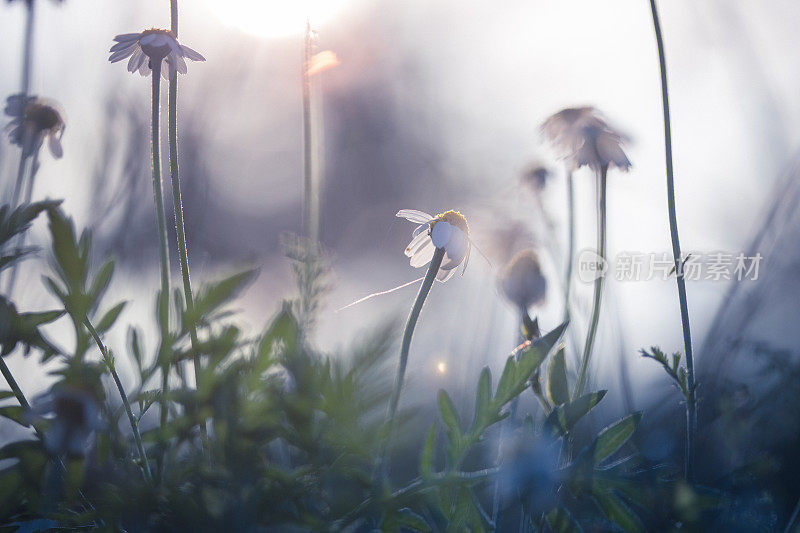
274,18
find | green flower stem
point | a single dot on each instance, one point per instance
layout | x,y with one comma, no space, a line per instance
570,242
109,361
18,394
177,204
691,405
427,283
310,222
158,196
598,283
27,51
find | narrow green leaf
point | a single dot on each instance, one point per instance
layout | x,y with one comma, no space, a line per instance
612,437
426,458
483,399
101,281
449,415
618,512
564,417
111,316
15,413
557,388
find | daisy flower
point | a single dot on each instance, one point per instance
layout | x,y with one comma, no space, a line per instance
34,120
584,138
448,230
152,45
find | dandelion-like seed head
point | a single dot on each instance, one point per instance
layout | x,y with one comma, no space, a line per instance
583,137
448,230
522,281
34,120
151,47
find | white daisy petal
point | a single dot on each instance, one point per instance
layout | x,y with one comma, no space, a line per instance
135,61
180,63
165,70
420,229
54,143
119,55
466,260
127,37
444,275
412,215
144,67
415,244
192,54
440,234
423,256
175,47
122,45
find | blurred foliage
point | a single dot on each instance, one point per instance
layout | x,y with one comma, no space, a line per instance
292,434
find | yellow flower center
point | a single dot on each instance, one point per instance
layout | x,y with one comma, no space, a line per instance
452,217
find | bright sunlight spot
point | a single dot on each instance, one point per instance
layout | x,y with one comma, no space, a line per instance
441,367
274,18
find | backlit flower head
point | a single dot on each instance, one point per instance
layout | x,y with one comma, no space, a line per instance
34,120
584,138
522,281
152,45
448,230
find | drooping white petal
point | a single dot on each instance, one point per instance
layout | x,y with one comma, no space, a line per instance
420,229
412,215
127,37
122,45
179,63
423,256
144,67
192,54
176,48
54,143
415,244
466,259
164,70
444,275
136,60
441,232
119,55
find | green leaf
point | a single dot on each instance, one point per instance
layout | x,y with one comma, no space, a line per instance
19,220
101,281
283,331
564,417
612,437
483,399
15,413
4,395
562,521
618,512
215,295
426,458
449,415
557,388
111,316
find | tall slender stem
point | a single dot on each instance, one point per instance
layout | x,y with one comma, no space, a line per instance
18,394
109,362
310,221
27,50
177,203
691,405
570,242
158,196
411,323
598,282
